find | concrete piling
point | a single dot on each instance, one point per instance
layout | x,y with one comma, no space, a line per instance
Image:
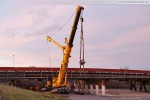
82,88
76,87
103,88
97,89
82,83
91,89
86,88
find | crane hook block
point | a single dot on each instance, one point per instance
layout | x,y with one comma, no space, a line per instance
81,19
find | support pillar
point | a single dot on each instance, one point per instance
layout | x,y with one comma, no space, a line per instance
103,88
91,89
82,88
76,86
82,82
86,88
97,89
79,87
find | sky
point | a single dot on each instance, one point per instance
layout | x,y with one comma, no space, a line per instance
116,36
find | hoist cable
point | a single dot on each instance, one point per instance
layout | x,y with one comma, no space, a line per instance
49,57
63,25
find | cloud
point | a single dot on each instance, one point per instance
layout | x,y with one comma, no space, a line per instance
31,22
115,40
26,27
114,35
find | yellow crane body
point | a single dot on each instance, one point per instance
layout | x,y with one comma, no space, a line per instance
61,80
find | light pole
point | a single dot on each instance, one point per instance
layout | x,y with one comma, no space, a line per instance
13,60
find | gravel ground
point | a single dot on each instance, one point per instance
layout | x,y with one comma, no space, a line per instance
113,94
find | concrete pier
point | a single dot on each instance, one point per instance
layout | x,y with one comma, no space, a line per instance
91,89
103,88
97,89
82,88
76,86
86,88
82,82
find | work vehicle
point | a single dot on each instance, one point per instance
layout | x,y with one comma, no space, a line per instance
60,83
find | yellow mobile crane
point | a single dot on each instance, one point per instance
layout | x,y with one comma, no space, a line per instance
60,81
